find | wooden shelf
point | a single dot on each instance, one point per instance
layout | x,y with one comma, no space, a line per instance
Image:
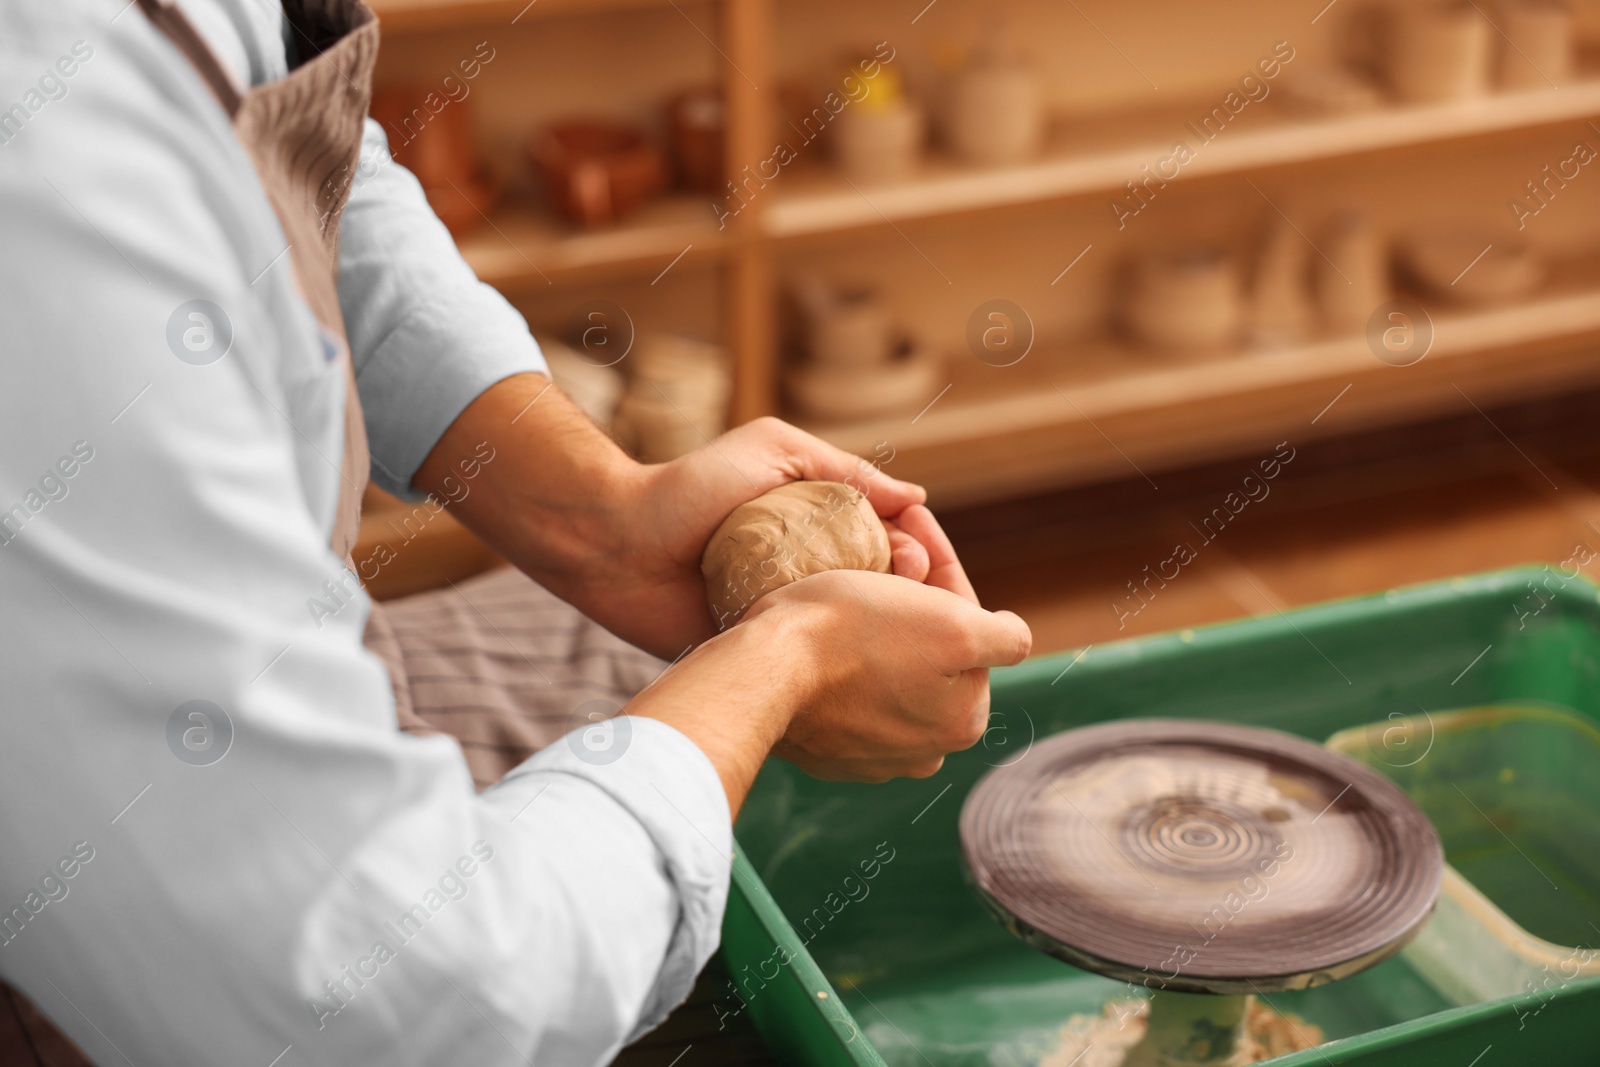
521,247
533,248
410,16
1101,153
1099,409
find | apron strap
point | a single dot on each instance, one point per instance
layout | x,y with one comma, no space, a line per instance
170,20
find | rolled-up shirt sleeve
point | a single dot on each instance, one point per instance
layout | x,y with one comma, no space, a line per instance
426,334
218,848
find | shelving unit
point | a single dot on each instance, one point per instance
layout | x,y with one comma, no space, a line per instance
1101,410
524,247
1097,154
1005,431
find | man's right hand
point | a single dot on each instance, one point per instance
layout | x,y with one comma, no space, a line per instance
850,675
901,667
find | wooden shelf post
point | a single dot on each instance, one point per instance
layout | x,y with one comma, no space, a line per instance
749,298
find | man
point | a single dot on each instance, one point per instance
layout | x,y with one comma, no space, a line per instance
217,846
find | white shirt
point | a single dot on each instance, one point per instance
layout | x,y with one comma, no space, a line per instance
288,875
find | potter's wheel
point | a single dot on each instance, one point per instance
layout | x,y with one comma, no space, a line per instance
1200,856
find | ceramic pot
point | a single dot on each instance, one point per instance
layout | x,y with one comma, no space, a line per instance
1186,301
878,144
595,389
597,172
431,136
1350,288
1456,267
996,114
1280,312
677,397
1536,52
849,327
1437,53
833,392
696,124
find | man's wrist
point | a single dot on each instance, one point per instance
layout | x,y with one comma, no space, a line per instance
736,695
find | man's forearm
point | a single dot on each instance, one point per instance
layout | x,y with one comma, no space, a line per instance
554,499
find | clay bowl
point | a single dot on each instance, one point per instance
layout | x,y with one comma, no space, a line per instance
431,136
854,328
597,172
1439,263
1187,301
840,392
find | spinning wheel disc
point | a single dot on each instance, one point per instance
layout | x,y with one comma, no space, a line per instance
1200,856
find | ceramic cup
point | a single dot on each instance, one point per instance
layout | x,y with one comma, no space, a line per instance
878,144
850,328
1536,52
903,382
996,114
1437,53
1190,300
1353,279
1279,302
677,397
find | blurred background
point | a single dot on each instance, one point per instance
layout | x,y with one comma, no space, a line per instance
1180,311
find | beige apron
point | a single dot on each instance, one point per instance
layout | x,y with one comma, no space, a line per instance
303,135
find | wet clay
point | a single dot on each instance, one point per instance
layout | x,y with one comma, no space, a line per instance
1111,1039
795,530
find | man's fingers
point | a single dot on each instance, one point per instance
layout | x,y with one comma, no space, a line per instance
1000,638
944,569
908,556
802,456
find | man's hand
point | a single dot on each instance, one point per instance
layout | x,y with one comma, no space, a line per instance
622,541
655,594
851,675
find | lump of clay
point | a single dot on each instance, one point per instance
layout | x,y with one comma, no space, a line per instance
782,536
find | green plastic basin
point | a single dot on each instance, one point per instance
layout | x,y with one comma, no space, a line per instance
852,939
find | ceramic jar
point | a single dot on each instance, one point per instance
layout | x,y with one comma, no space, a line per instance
1437,52
436,146
879,144
1536,52
996,112
677,398
905,379
1189,300
1280,313
850,327
598,172
1352,275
